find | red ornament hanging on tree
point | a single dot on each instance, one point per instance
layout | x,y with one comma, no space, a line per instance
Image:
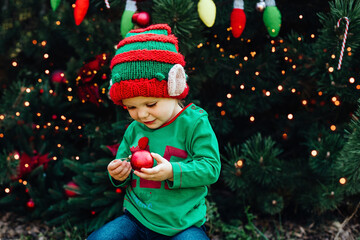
72,185
238,18
141,18
80,10
30,204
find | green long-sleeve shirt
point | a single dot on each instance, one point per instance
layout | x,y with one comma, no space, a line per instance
190,145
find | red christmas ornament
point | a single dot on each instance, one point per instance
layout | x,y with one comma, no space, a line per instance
141,159
141,18
30,204
71,193
81,7
58,77
237,18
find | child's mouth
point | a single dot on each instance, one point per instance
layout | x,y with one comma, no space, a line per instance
149,122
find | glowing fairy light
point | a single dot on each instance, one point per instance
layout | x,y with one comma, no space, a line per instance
314,153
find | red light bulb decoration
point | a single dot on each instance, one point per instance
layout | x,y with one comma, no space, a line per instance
237,18
80,10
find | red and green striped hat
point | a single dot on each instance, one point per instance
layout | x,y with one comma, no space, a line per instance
147,63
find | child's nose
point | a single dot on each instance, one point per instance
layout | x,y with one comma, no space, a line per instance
142,113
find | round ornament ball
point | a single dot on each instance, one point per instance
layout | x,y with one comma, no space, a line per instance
58,76
260,6
141,159
141,18
71,193
30,204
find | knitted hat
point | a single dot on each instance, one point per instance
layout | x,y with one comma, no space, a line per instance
147,63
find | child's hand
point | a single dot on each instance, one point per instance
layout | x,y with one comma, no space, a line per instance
119,170
162,171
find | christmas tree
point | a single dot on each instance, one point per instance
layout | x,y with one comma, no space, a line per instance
278,80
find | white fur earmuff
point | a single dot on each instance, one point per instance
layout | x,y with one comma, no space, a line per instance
176,80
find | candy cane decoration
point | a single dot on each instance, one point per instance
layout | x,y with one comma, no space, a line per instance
107,3
344,40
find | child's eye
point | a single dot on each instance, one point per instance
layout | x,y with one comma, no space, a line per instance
129,108
151,104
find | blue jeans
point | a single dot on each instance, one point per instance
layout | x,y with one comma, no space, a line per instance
126,227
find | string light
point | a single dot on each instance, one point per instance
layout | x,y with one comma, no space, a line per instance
333,127
301,16
284,136
312,35
2,117
222,113
290,116
252,118
331,69
219,104
26,104
240,163
242,86
14,64
351,80
58,23
342,181
280,88
314,153
17,114
229,95
7,190
333,56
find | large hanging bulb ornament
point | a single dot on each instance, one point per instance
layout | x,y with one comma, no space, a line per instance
207,12
80,10
237,18
272,18
260,6
126,19
54,4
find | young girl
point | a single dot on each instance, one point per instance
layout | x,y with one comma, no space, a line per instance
166,201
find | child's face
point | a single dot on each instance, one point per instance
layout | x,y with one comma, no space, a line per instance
153,112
